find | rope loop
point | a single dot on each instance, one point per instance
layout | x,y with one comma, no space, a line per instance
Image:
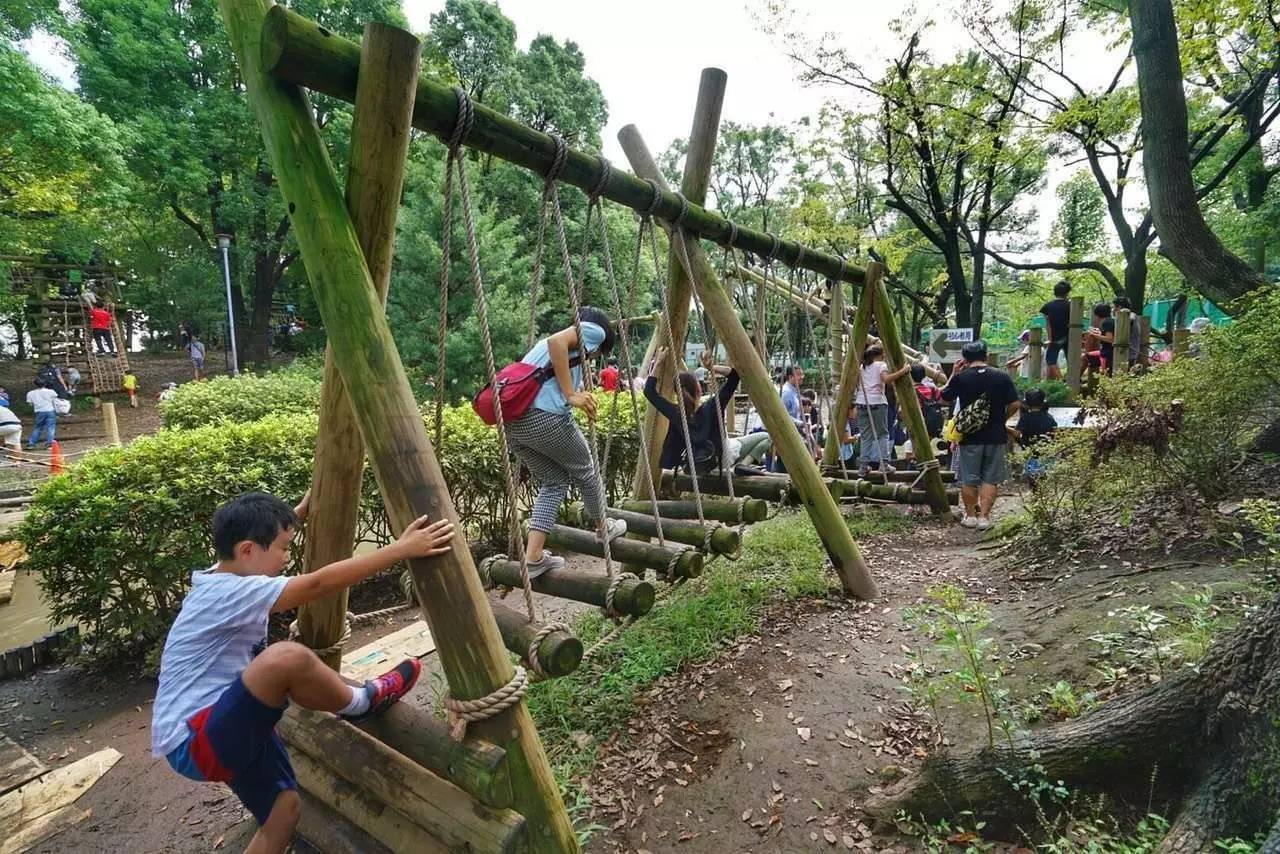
463,712
332,649
558,160
466,118
800,257
773,249
733,235
671,567
610,611
535,663
483,569
684,210
606,172
656,200
843,266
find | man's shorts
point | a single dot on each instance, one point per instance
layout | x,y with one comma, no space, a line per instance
979,464
1053,352
234,741
199,363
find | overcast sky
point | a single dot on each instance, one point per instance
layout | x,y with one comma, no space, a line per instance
647,57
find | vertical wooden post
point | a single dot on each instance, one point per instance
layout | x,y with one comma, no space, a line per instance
109,423
805,476
1120,351
697,178
1181,342
1144,348
388,81
1075,333
835,323
472,654
908,402
761,324
1035,356
849,373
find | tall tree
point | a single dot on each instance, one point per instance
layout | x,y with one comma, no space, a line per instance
196,150
477,42
1175,203
552,93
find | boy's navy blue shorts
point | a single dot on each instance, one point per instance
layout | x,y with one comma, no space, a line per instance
234,741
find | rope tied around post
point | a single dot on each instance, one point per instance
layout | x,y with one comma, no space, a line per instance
463,712
558,160
334,648
655,201
606,172
608,609
535,663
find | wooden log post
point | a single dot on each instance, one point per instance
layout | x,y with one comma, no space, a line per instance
634,596
1144,348
1181,342
835,322
445,811
908,401
712,538
739,511
379,144
1120,352
787,443
672,328
685,563
473,765
110,426
472,654
1035,356
1075,343
559,653
850,371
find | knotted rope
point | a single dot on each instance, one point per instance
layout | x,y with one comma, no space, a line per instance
463,712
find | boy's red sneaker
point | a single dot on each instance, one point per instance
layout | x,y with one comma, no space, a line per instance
389,687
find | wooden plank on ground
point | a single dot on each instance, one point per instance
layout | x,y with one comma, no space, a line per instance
7,577
374,659
17,764
12,554
44,806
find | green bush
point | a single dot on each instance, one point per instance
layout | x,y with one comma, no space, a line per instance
115,540
239,400
1056,392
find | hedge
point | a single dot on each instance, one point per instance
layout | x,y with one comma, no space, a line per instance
239,400
115,539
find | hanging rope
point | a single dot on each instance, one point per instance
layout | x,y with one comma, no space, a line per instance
558,160
456,162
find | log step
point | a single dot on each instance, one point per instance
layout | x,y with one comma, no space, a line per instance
633,597
715,537
769,487
899,492
733,511
903,476
559,653
683,562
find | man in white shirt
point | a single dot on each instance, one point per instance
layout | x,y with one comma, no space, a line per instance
42,401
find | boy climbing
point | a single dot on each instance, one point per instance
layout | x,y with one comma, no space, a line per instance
104,342
217,704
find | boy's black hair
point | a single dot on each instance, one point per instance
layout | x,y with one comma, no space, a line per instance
809,395
1102,309
789,372
974,351
917,373
253,516
1121,302
1034,398
1062,288
591,314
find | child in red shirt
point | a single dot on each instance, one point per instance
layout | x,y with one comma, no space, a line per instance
100,325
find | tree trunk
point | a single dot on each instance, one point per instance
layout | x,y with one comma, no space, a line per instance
1135,276
1185,237
1206,738
253,340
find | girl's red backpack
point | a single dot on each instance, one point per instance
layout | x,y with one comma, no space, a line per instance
517,386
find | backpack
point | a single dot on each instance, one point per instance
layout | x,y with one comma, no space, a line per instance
517,387
975,416
931,407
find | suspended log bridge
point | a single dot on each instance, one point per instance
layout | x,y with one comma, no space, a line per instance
683,562
735,511
634,596
768,487
900,476
902,493
715,538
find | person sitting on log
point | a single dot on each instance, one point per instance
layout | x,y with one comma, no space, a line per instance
223,690
547,439
710,453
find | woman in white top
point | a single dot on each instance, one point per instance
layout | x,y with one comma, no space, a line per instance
10,428
873,408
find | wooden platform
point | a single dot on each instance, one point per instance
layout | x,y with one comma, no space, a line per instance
374,659
45,805
7,577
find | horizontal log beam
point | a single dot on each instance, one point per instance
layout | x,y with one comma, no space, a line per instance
899,492
439,807
685,563
900,476
300,51
559,653
770,487
714,537
634,596
473,765
736,511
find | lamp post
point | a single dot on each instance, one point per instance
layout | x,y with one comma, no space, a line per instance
224,243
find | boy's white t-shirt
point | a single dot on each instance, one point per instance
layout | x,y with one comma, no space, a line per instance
222,620
41,399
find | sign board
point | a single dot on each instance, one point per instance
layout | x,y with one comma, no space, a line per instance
945,344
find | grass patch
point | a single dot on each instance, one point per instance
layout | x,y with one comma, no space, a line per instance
781,559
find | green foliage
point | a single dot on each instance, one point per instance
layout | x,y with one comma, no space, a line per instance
1263,518
239,400
1149,640
1056,392
114,541
1079,230
1061,699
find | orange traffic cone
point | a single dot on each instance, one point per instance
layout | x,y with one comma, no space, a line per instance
55,458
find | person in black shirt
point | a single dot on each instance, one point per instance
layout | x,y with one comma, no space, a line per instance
1058,314
983,454
1034,421
1104,327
